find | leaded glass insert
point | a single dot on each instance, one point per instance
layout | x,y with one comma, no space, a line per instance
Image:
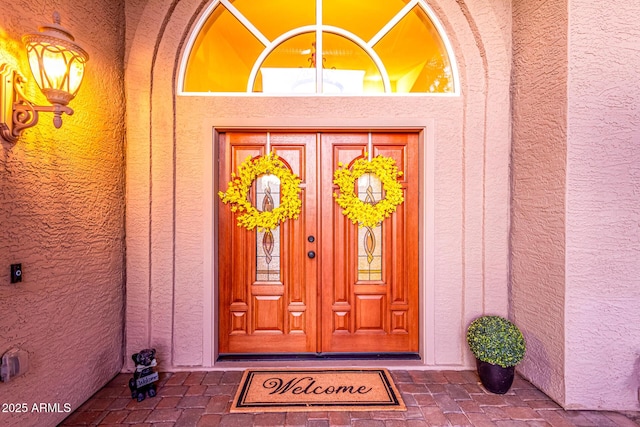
267,188
370,238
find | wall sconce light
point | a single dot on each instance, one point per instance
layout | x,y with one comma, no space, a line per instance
57,64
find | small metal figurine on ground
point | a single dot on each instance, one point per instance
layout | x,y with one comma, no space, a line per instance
144,376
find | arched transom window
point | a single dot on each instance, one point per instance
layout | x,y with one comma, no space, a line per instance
318,46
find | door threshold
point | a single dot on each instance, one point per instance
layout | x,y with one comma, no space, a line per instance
245,357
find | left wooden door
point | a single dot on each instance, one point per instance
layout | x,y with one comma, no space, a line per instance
267,281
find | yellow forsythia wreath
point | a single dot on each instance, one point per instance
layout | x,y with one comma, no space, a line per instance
362,213
238,190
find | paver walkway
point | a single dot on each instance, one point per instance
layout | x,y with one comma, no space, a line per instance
433,398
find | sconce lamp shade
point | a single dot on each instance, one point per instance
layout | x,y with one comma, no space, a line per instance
57,62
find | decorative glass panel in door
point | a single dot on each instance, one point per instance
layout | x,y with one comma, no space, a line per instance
370,238
267,188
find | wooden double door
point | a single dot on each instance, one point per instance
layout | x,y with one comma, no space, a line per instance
319,284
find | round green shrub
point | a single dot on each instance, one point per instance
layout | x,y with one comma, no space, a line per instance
496,340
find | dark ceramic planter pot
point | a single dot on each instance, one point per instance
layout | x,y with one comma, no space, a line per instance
495,378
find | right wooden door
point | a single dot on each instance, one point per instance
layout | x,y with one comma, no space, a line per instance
369,276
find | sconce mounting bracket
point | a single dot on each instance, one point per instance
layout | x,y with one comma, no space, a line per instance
8,97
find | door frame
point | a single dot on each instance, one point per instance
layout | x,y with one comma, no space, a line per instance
426,203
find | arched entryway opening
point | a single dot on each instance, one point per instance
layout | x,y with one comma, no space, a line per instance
172,178
320,304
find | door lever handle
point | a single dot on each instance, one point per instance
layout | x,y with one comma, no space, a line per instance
311,254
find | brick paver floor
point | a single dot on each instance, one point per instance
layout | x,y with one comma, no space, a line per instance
433,398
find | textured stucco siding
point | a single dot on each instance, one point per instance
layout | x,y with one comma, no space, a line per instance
171,190
538,185
603,206
575,182
62,215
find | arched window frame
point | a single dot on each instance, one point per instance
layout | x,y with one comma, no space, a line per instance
319,29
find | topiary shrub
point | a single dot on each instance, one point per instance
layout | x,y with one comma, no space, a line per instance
494,339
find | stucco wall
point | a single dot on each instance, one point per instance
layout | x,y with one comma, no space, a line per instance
603,206
62,215
539,99
576,216
170,274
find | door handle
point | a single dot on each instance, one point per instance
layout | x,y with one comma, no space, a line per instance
311,254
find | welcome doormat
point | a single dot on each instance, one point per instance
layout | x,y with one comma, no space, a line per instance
289,390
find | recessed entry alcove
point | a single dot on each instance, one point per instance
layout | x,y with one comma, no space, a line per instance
441,260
